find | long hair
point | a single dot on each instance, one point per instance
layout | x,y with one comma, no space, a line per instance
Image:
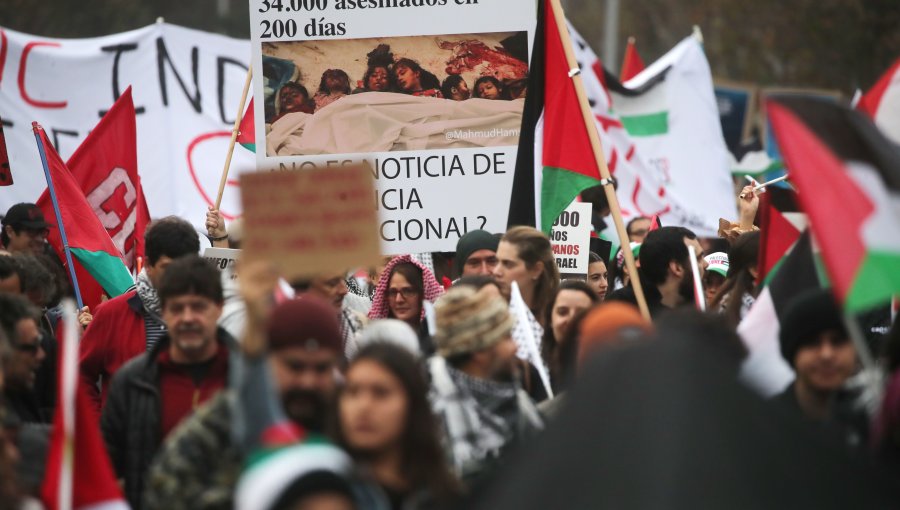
339,73
742,256
534,246
550,345
426,79
423,463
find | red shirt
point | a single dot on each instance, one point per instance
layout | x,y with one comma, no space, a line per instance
183,388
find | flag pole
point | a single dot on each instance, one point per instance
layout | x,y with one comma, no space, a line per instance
62,230
234,135
606,181
699,296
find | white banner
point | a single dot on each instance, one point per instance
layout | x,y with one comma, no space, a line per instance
186,86
364,80
570,239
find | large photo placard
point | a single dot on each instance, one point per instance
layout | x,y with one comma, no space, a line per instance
426,94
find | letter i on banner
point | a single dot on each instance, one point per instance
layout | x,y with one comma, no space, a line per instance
5,171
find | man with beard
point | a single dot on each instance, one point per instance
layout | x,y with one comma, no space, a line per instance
350,308
201,462
152,393
665,270
473,388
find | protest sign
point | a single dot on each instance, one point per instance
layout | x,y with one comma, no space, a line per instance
186,85
311,222
735,102
570,239
373,82
224,259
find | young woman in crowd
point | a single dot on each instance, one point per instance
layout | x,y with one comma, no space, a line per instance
526,258
402,289
738,292
572,297
488,87
386,424
598,276
414,80
334,85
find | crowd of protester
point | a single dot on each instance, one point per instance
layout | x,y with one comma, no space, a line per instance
410,385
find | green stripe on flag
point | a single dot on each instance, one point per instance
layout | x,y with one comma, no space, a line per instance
559,188
109,270
651,124
877,280
249,146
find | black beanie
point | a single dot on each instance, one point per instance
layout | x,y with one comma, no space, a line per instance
471,242
805,317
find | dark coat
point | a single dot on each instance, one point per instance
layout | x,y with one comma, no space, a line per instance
132,415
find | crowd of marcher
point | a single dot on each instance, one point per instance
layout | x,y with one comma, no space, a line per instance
419,384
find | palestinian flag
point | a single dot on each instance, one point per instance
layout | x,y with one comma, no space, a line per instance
87,239
882,103
765,369
780,225
847,174
5,172
246,134
555,161
632,64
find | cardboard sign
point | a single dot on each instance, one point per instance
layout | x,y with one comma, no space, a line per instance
310,222
224,259
570,239
338,81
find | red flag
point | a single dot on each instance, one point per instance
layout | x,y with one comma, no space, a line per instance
246,135
882,102
90,246
778,226
79,474
105,168
632,64
5,172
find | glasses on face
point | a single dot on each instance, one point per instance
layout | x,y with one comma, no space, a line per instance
406,292
31,348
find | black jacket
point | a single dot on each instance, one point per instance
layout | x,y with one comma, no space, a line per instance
132,415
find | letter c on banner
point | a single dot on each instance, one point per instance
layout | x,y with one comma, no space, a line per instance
190,151
24,61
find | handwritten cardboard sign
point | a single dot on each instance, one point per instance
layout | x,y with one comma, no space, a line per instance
310,222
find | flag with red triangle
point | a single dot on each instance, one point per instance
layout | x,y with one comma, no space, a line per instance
555,160
847,175
105,168
88,240
780,225
246,135
632,64
882,102
78,474
6,178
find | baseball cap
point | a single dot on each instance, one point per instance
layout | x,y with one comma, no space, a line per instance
26,215
717,263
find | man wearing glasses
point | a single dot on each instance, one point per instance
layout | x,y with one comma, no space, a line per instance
19,320
25,230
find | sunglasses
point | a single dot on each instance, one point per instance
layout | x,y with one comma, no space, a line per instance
407,293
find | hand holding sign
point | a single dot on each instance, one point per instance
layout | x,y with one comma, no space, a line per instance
310,222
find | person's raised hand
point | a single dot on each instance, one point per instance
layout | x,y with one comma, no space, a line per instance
257,283
748,204
215,223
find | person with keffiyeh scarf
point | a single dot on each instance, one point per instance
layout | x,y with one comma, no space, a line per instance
404,286
473,385
130,324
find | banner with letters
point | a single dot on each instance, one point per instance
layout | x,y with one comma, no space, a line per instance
428,94
186,86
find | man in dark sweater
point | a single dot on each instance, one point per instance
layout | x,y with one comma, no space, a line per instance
152,393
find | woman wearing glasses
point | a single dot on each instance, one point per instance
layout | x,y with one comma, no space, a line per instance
403,287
